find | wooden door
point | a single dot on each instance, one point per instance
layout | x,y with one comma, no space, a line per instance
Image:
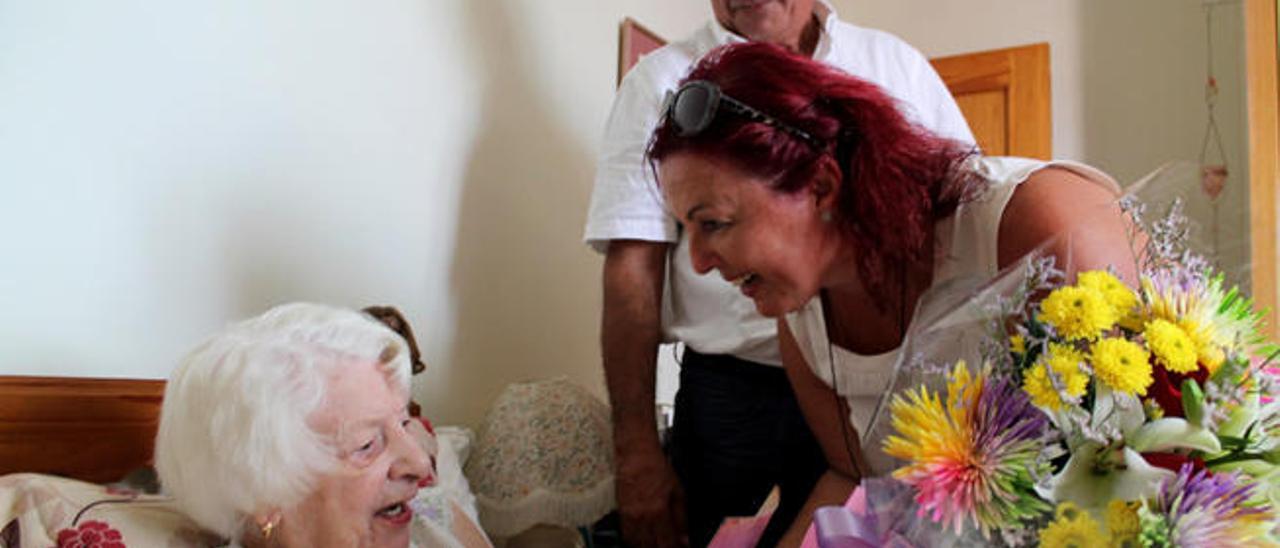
1004,95
1263,76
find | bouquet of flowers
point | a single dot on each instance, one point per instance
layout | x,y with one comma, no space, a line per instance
1100,415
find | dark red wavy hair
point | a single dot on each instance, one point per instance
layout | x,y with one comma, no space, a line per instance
896,177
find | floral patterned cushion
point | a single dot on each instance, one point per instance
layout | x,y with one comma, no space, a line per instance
544,455
39,511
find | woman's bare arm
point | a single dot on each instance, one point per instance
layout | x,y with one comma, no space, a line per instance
828,418
1079,219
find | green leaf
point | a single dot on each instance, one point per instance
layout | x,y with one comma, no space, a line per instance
1193,401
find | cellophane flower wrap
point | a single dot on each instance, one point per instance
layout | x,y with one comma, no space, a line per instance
1029,411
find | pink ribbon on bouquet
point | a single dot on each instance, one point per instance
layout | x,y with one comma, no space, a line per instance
839,527
853,525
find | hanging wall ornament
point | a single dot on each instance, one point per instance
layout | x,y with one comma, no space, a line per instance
1213,174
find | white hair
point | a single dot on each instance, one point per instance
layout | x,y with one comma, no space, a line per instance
234,438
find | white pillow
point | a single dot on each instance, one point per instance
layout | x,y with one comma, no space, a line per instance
454,447
445,512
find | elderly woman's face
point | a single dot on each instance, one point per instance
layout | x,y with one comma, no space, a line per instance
773,246
382,463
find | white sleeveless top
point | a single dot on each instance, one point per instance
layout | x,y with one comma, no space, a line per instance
966,247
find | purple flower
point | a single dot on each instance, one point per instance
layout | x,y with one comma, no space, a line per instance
971,452
1195,509
1006,415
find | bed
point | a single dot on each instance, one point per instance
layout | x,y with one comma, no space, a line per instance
66,444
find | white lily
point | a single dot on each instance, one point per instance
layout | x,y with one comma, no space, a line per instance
1117,409
1168,433
1096,475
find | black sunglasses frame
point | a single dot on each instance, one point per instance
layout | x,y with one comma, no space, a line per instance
690,122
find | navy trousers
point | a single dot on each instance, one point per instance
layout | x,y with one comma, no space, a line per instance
738,432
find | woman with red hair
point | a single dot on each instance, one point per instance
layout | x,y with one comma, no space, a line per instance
808,189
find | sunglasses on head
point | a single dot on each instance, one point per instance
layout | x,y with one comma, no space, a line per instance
694,106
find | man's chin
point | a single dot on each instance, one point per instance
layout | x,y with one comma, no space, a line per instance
758,31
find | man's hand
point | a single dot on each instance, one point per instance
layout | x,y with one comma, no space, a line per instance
650,501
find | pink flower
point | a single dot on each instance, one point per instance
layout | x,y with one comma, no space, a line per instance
91,534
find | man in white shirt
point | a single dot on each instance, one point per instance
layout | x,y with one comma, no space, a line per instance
738,430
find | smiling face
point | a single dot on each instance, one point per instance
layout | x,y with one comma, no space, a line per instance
381,463
780,22
773,246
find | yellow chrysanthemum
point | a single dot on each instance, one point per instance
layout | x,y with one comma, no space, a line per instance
1072,528
1217,319
1078,312
1064,361
1037,385
1017,344
1122,365
1207,352
1134,320
1118,295
1172,346
1122,522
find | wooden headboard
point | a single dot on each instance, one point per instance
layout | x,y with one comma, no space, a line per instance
91,429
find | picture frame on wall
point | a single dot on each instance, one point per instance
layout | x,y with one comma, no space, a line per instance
634,40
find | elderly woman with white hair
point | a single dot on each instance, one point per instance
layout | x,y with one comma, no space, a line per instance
292,429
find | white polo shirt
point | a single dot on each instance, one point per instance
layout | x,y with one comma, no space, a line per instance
705,312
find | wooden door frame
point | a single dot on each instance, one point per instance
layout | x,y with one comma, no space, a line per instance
1264,140
1022,72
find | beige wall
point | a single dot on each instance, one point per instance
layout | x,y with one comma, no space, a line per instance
1128,83
169,167
975,25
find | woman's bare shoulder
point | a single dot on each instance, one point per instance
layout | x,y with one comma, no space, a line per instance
1063,209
